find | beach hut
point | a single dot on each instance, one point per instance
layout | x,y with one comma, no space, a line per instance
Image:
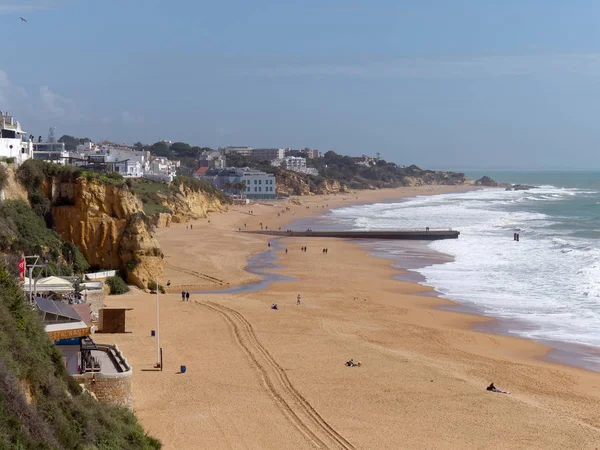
112,319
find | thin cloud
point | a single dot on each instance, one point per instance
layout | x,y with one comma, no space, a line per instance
58,105
9,93
420,68
129,119
26,6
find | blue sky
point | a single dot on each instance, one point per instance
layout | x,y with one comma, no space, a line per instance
442,84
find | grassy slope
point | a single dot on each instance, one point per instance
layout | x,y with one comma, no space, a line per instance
58,414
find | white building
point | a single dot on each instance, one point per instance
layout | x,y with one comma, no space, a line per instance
268,154
290,162
53,152
257,184
128,168
86,147
214,160
13,140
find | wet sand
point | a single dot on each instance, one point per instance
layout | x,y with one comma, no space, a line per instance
263,379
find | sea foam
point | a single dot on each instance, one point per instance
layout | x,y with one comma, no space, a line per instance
550,278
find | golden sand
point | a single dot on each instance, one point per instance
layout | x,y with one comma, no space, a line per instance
263,379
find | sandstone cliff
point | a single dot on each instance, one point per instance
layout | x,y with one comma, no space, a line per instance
108,225
293,183
184,204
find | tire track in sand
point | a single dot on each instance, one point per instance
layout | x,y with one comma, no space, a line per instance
296,408
195,274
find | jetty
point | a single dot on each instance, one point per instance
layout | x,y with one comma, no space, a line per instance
413,235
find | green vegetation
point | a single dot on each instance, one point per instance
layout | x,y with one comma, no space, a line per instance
201,186
152,287
41,406
379,173
22,231
151,193
154,193
3,176
177,150
117,285
71,142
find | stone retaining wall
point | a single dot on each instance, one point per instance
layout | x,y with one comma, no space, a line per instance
113,388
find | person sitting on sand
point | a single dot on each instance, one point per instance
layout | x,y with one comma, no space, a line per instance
493,388
274,306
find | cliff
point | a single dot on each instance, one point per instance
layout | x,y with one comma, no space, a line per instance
293,183
178,203
106,218
108,225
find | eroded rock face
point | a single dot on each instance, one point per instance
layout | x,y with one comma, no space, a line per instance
185,205
292,183
109,227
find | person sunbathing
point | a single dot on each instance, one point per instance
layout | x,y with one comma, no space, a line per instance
493,388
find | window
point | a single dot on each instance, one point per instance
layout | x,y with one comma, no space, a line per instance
259,181
259,189
255,188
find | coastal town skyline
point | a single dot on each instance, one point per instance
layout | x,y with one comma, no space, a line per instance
419,83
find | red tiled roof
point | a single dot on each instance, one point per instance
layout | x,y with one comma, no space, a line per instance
201,171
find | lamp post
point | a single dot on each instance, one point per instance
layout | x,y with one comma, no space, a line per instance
158,358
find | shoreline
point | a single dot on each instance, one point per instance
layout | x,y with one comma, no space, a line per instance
559,352
424,369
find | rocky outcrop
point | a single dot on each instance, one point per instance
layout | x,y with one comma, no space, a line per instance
185,204
434,178
485,181
108,225
294,183
12,190
520,187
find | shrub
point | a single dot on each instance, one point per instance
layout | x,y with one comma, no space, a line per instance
117,285
3,176
131,265
61,415
152,287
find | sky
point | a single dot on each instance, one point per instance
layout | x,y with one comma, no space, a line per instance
442,84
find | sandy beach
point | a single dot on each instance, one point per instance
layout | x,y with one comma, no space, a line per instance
263,379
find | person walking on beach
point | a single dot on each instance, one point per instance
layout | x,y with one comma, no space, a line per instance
298,300
183,296
187,296
286,251
191,227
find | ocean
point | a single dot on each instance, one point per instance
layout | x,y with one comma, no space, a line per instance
545,287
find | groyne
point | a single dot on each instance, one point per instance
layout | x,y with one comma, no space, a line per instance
415,235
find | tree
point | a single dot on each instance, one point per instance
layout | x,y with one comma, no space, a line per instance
283,165
239,187
181,149
228,186
138,145
70,142
161,149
